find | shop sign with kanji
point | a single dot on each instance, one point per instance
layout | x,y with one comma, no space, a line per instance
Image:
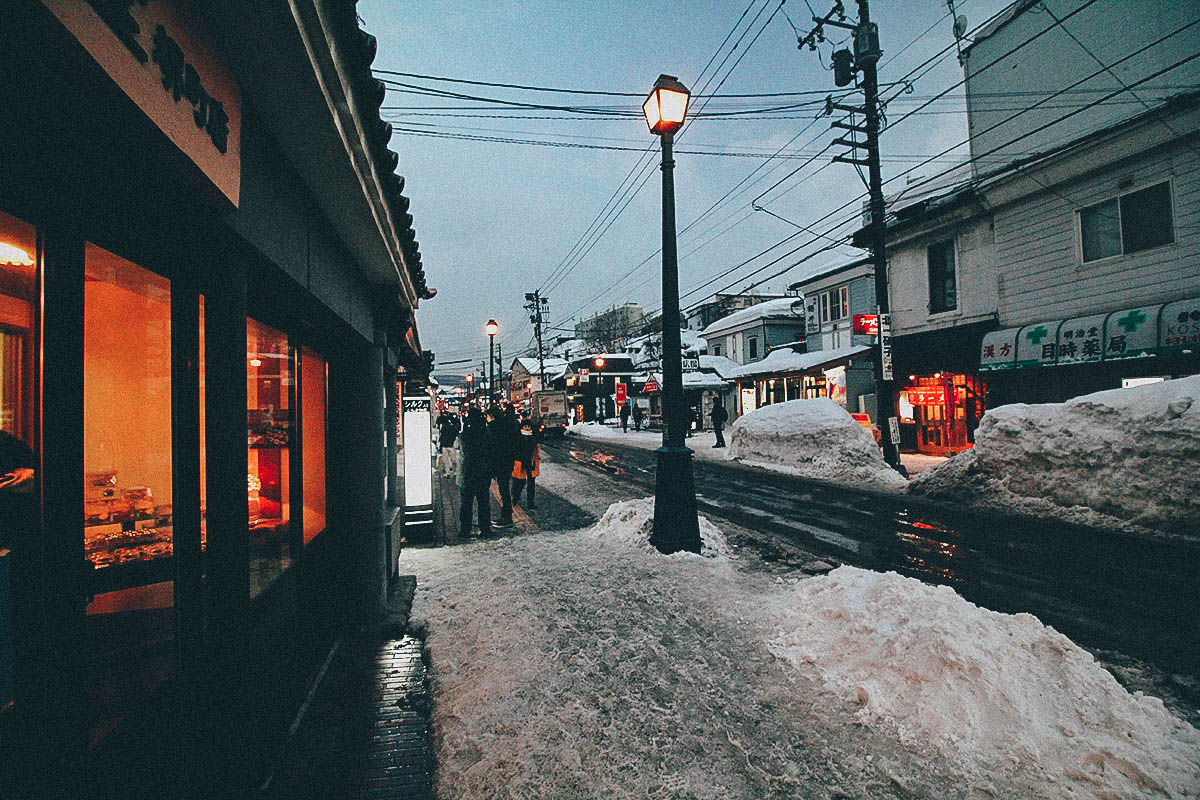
866,324
1132,333
1037,344
1180,326
998,350
1080,340
927,395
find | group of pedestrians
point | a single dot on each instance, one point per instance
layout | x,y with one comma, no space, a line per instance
718,415
482,447
637,414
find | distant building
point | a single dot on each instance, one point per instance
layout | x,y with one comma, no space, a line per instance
609,329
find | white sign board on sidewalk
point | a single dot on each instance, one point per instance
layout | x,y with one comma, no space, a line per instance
418,459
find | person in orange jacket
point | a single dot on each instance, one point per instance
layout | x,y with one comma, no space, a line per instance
525,466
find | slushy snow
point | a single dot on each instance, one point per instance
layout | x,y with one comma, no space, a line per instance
1121,455
813,439
997,693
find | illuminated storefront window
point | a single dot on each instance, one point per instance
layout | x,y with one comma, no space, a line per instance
313,380
127,481
269,387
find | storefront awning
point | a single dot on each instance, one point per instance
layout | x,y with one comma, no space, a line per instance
1143,332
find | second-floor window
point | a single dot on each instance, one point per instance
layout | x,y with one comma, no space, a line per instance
835,304
752,343
1129,223
943,295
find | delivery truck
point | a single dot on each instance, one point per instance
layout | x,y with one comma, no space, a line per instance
550,412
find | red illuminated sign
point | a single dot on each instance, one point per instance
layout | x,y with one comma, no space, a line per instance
621,395
651,387
866,324
927,395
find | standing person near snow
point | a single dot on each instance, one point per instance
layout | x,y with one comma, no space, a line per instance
526,466
625,417
476,467
637,418
448,429
719,415
503,424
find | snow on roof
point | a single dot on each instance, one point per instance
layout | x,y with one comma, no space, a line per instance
778,361
724,367
555,367
702,380
780,308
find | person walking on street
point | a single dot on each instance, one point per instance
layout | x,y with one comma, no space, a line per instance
625,417
475,470
503,424
637,418
448,430
719,415
526,466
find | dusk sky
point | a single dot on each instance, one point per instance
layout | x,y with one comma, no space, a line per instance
496,219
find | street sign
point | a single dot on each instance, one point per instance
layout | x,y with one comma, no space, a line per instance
690,364
885,345
867,324
621,394
812,320
584,375
894,429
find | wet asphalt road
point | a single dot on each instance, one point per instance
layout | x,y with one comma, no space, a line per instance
1128,597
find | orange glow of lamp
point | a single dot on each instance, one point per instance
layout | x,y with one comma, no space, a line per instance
599,363
666,106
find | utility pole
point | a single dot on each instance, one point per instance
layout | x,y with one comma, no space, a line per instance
537,305
845,64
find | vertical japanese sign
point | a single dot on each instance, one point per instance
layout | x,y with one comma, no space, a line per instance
812,319
885,345
418,451
621,394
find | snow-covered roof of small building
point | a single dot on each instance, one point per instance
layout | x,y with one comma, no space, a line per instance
555,367
722,365
788,361
780,308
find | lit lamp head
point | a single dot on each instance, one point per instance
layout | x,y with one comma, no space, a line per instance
470,378
599,362
492,328
666,106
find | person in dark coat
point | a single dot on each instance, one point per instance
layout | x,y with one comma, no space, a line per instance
625,417
526,466
476,468
503,424
719,415
637,418
448,429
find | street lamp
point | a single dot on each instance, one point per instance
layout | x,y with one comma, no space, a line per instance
676,526
492,329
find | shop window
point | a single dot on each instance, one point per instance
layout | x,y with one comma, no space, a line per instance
128,531
942,287
313,382
1130,223
269,387
752,343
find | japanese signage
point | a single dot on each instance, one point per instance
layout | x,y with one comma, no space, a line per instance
1180,325
1037,344
749,399
999,350
885,344
690,364
585,375
927,395
867,324
418,451
1132,333
812,317
159,55
621,394
1142,332
651,386
894,429
1080,340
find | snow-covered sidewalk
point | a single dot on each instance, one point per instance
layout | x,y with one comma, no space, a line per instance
584,664
700,443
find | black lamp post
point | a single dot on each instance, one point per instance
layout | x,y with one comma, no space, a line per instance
676,526
492,329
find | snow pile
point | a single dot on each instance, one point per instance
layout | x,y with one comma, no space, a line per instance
1122,453
593,430
813,439
996,693
629,523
